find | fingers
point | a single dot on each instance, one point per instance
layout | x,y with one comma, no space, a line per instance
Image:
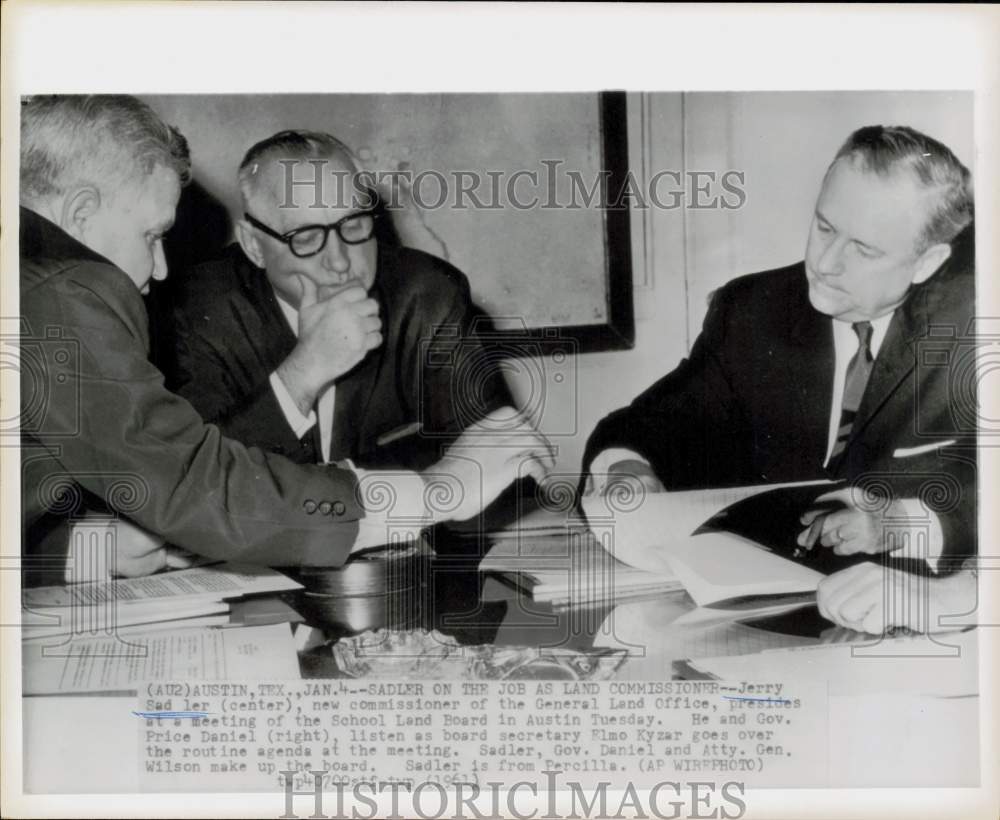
842,496
846,531
846,597
854,598
179,559
309,293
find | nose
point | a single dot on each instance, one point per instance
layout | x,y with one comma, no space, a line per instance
159,263
335,258
830,261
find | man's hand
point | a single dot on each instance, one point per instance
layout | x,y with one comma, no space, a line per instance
489,456
137,552
335,333
628,477
871,598
848,530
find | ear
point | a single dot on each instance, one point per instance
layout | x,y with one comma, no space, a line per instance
930,260
78,208
248,241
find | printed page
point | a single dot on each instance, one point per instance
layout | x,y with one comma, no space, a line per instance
114,664
218,581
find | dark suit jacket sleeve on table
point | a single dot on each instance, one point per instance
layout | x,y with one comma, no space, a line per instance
123,430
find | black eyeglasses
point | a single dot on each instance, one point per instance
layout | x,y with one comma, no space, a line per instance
309,240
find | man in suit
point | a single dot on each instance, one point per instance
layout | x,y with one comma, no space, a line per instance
103,439
842,366
311,338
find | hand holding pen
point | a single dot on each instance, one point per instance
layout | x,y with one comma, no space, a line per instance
834,520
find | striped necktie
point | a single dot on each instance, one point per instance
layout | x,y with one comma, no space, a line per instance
858,371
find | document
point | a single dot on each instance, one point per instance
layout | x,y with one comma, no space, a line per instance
216,582
571,567
685,535
117,664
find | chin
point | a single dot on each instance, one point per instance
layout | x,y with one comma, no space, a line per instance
823,303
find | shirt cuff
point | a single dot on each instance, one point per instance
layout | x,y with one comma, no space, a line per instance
914,511
300,424
605,459
395,509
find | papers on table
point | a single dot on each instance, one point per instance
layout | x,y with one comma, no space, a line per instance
167,598
661,535
118,663
571,568
217,581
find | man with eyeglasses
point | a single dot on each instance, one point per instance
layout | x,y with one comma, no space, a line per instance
311,338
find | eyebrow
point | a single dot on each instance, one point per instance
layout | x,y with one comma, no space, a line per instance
863,244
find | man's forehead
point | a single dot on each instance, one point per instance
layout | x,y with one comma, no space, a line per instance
878,209
154,196
292,182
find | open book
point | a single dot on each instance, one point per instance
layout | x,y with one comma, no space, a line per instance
721,544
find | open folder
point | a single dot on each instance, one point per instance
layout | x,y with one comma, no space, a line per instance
721,544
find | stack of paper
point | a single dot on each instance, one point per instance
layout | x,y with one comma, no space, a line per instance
571,568
185,598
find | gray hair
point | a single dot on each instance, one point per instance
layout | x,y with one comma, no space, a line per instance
285,146
883,150
101,140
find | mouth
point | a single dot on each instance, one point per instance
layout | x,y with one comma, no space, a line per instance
816,280
329,291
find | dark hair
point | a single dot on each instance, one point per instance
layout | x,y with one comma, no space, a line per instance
885,150
102,140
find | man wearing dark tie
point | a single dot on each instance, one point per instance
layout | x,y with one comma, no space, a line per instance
312,338
848,365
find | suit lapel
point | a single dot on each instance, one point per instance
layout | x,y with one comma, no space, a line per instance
354,394
895,361
810,378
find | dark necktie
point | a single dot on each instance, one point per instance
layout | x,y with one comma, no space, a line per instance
858,371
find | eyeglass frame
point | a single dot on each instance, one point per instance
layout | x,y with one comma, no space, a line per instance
287,237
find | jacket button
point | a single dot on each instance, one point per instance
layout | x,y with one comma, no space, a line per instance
339,508
309,506
325,508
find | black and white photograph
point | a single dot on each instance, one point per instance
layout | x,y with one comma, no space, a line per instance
577,445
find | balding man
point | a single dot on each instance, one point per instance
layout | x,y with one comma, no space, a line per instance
102,436
312,339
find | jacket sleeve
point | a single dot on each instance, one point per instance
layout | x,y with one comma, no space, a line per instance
119,434
200,373
688,425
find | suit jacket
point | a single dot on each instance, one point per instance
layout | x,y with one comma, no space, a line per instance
230,335
751,404
98,428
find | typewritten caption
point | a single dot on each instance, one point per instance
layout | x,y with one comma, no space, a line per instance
216,736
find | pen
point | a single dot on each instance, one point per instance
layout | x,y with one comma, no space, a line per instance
815,529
